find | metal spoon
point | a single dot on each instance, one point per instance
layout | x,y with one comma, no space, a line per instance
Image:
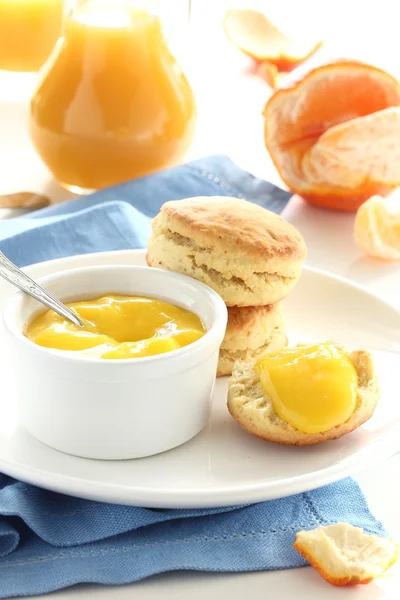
15,276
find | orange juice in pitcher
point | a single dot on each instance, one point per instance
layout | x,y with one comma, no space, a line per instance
112,104
29,30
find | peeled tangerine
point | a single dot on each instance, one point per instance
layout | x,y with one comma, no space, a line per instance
334,134
345,555
260,39
377,230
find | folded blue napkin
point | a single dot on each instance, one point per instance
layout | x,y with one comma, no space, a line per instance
119,218
58,541
50,541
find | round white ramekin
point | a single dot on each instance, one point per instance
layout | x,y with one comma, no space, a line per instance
123,408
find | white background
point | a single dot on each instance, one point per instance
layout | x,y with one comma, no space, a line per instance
230,104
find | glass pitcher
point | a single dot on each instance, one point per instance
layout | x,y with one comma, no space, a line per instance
29,30
112,103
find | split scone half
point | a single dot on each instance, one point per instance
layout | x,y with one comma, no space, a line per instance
254,411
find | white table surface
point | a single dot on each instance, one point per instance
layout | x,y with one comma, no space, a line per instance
230,105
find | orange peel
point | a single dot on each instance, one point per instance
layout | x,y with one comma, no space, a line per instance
334,134
269,73
254,34
344,555
377,230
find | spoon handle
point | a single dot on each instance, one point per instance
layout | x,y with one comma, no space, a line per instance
15,276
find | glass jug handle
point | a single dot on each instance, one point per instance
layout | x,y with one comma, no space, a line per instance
176,19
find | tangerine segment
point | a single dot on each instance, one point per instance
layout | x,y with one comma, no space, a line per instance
260,39
328,139
344,555
377,230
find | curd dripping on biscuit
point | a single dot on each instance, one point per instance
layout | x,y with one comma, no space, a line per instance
313,387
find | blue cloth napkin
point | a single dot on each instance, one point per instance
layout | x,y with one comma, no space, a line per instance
50,541
58,541
119,218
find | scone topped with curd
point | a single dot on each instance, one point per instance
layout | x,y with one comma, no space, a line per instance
305,394
247,254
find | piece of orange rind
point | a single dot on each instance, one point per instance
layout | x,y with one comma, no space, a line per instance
345,555
255,35
377,229
269,73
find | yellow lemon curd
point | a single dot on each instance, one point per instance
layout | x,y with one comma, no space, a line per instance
312,387
117,326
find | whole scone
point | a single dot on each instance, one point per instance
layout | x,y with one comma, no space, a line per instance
251,332
254,411
247,254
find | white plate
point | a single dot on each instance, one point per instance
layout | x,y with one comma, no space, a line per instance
224,465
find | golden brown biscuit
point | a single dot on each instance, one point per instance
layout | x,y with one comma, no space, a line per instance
254,411
251,332
250,327
247,254
228,358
